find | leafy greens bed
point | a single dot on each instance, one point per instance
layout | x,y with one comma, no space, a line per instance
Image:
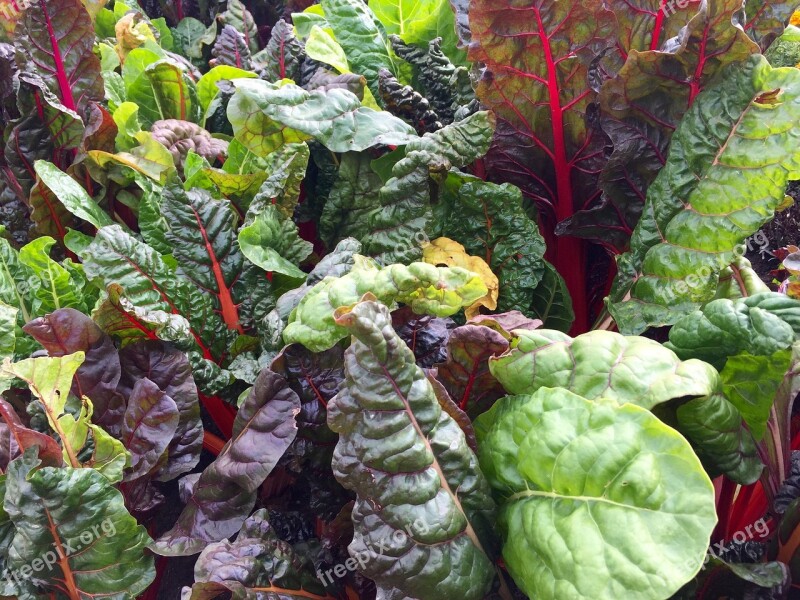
397,299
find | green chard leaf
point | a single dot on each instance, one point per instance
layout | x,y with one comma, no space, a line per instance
761,325
439,291
565,494
393,219
602,365
152,284
728,166
75,519
390,423
490,221
363,38
265,116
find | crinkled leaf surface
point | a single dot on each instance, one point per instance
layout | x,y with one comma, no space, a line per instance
490,221
169,369
56,37
390,424
265,116
67,331
53,509
761,325
226,491
599,501
601,364
439,291
728,166
362,36
636,370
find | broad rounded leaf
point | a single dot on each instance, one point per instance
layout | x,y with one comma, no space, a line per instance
600,501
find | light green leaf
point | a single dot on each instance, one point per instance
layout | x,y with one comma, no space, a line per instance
8,330
728,166
207,85
272,242
439,291
362,37
71,194
750,384
599,501
265,116
321,46
58,289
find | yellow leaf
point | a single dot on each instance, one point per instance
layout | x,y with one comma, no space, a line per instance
444,251
795,20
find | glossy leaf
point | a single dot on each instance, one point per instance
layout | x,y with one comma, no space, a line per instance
256,563
561,522
362,36
55,38
601,364
150,423
445,532
490,221
272,242
761,324
265,116
169,370
226,491
67,331
203,238
713,193
114,257
72,195
75,514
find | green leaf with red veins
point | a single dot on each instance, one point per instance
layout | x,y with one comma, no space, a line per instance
727,170
115,257
202,234
226,491
644,103
150,423
647,24
418,484
766,19
55,39
127,323
78,517
169,369
537,56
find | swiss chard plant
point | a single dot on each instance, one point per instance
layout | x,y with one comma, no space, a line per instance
395,299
